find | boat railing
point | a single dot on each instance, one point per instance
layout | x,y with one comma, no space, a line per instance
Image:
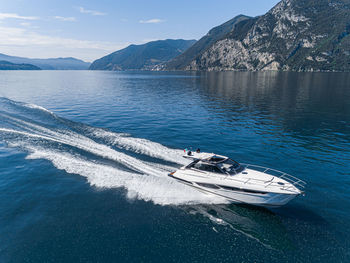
279,174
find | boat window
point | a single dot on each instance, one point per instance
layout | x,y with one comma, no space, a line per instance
206,167
231,166
240,169
213,186
216,159
192,164
232,162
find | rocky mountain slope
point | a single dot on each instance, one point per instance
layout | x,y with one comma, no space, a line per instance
204,43
298,35
5,65
142,57
49,63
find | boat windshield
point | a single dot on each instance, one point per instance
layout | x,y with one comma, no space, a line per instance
230,166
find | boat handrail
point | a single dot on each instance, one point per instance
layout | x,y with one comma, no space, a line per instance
279,174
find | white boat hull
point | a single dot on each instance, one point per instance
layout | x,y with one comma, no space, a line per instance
258,199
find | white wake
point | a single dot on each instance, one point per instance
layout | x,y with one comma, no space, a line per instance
142,180
159,190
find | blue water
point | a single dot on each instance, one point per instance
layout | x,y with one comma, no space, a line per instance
84,157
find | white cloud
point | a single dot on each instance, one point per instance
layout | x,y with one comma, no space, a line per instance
25,24
62,18
16,16
91,12
152,21
22,41
28,25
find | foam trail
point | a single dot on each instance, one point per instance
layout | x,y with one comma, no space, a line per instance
138,145
159,190
73,136
88,145
64,143
142,146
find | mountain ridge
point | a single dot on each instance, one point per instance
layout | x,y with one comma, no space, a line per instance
67,63
6,65
148,56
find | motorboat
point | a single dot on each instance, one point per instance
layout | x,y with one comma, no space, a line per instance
238,182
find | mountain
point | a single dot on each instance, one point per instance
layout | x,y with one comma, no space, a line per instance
296,35
5,65
49,63
181,61
142,57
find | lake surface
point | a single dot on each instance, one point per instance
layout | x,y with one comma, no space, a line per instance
84,158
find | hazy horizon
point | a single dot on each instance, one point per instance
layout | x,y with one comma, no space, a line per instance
88,30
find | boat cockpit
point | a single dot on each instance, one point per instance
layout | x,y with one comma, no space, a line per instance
217,164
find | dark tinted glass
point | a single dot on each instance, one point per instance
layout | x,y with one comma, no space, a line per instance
216,159
207,168
233,163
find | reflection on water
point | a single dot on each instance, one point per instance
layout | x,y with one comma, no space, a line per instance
283,97
306,111
273,229
258,224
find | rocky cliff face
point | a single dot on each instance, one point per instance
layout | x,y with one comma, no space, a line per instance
299,35
204,43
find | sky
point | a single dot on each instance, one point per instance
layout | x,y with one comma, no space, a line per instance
90,29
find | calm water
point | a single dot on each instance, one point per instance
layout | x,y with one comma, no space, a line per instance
84,157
